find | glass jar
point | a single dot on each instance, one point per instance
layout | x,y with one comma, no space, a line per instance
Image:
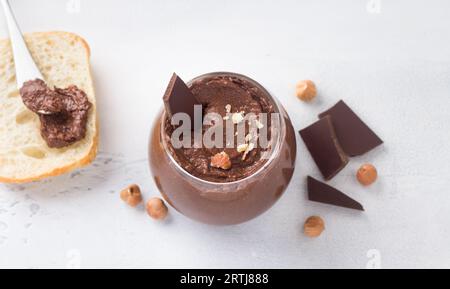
224,203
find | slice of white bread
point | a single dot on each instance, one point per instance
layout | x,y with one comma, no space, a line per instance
63,59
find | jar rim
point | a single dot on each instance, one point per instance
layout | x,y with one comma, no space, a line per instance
275,151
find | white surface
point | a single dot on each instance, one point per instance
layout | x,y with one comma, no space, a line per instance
392,67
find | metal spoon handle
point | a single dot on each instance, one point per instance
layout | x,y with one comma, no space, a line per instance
26,68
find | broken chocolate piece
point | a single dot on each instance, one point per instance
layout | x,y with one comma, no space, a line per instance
179,98
323,193
355,137
324,147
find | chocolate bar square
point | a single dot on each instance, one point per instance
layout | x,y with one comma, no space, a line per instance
321,141
355,137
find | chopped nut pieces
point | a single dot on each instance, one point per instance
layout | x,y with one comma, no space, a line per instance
251,146
237,117
242,148
156,209
131,195
228,111
306,90
367,175
221,161
259,125
314,226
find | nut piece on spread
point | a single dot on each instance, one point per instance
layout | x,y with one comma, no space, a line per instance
63,112
228,108
237,117
131,195
157,209
306,90
367,174
242,147
221,161
314,226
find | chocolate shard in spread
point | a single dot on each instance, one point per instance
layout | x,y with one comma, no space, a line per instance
63,112
321,141
230,96
179,99
355,137
323,193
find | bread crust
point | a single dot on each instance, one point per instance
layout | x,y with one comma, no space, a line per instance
90,157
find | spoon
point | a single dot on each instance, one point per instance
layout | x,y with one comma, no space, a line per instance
26,68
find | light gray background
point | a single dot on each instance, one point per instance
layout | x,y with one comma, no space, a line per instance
391,63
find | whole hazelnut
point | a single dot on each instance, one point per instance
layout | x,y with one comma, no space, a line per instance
367,174
131,195
157,209
306,90
314,226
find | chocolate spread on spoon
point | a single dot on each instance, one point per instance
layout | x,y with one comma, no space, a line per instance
63,112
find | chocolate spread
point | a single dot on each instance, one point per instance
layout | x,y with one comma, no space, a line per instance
216,93
63,112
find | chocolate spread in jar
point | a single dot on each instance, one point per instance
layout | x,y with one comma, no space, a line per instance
63,112
216,94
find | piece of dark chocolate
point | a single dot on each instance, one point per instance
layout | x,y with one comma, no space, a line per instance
324,147
355,137
323,193
179,98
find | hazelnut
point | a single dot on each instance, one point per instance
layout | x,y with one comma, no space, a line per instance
156,209
306,90
259,125
251,146
221,161
314,226
242,148
131,195
367,174
237,117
